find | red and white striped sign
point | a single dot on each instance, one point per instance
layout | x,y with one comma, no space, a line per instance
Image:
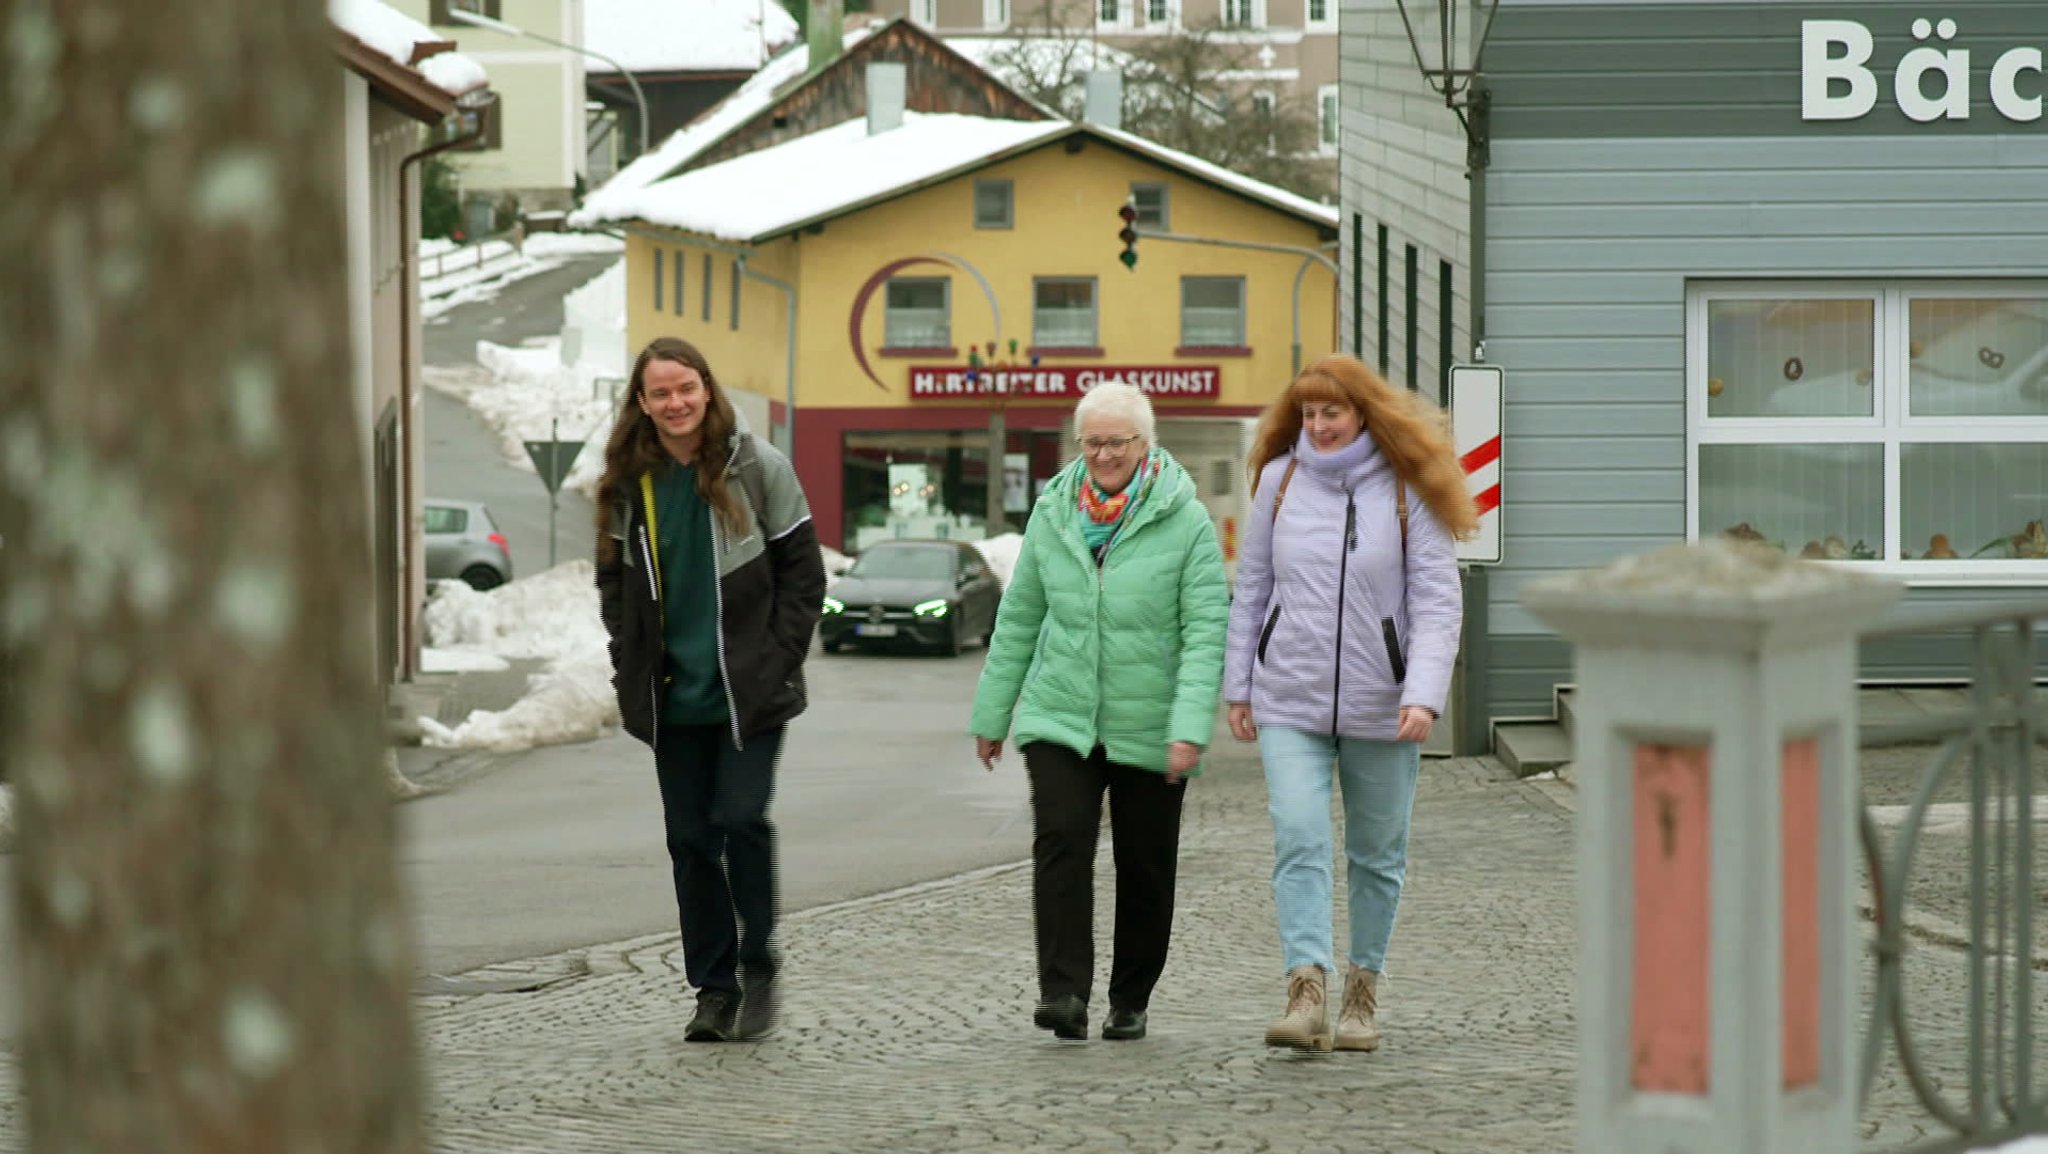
1477,403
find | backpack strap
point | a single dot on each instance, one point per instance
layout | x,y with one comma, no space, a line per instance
1286,479
1401,510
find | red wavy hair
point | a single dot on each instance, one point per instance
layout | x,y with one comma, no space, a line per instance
1412,433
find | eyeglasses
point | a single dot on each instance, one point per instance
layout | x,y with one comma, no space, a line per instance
1097,446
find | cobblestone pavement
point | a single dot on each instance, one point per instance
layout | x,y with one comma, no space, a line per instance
907,1024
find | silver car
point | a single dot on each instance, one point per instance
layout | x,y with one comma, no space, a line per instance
464,543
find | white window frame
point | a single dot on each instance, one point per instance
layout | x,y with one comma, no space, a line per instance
995,14
1121,12
1165,221
1167,22
1889,425
946,306
1329,119
1009,188
1243,313
1094,311
925,13
1329,21
1255,15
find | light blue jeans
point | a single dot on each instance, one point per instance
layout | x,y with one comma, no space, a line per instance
1378,779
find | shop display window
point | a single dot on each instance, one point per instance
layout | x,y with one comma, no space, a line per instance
1903,426
933,483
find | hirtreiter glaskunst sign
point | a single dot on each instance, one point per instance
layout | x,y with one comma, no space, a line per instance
1052,382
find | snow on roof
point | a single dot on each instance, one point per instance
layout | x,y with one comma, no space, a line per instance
1272,194
686,35
394,35
684,144
767,192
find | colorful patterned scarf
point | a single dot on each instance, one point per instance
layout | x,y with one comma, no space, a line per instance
1103,514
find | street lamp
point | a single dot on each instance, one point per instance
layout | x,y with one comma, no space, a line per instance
464,16
1444,70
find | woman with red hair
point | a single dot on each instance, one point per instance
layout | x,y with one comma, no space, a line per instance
1343,634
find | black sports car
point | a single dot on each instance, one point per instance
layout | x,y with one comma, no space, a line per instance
932,594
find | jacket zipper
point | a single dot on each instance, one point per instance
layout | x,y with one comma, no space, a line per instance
1343,567
653,679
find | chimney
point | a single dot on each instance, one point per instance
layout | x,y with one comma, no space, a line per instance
825,32
887,82
1105,102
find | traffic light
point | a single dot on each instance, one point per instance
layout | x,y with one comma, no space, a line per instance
1128,214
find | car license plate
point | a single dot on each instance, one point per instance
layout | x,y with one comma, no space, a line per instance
874,630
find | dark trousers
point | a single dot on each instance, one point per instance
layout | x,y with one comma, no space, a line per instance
1144,824
714,804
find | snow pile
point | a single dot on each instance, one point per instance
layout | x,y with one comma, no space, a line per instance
550,615
453,72
531,393
394,35
596,314
663,36
1000,551
461,661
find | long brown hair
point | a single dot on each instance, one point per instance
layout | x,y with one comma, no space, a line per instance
635,447
1411,432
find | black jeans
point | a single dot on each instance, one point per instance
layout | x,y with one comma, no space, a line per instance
714,804
1144,823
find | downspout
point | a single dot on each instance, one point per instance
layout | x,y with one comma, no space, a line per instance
408,386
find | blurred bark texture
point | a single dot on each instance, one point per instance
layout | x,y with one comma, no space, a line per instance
213,952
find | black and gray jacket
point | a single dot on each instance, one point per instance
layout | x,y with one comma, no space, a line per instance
771,589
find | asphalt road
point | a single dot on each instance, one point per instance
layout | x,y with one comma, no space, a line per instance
562,847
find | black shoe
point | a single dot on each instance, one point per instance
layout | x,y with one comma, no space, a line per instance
717,1017
1124,1025
1066,1016
760,1003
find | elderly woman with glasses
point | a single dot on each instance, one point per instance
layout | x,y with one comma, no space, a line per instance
1105,669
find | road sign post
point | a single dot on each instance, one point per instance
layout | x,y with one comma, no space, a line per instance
552,459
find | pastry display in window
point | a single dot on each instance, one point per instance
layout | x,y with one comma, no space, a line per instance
1938,549
2030,543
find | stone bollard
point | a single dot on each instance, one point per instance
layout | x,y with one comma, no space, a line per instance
1717,746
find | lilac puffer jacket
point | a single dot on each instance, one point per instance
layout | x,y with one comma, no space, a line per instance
1333,628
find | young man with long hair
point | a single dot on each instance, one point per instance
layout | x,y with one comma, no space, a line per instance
710,583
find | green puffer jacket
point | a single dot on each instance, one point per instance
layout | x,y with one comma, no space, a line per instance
1129,657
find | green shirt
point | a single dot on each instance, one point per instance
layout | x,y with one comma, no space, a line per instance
689,596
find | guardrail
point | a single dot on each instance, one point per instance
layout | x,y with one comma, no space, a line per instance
471,256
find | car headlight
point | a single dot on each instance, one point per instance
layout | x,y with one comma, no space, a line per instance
931,608
834,605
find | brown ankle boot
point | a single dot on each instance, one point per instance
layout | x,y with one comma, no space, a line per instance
1306,1024
1356,1027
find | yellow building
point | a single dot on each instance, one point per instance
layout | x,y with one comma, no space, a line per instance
938,265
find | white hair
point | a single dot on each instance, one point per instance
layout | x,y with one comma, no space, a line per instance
1117,399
